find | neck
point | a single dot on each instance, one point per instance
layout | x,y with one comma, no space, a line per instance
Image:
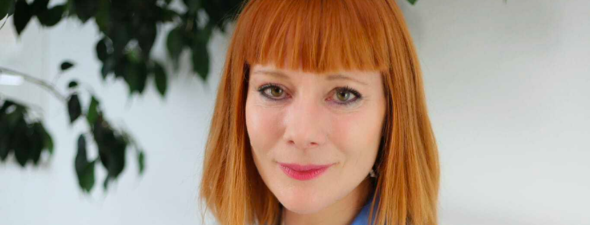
341,212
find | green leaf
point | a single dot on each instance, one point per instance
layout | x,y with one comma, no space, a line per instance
175,44
167,15
39,6
105,184
192,5
52,16
160,78
5,135
66,65
74,108
200,59
81,156
86,9
101,50
47,141
136,77
5,7
22,16
111,148
36,142
103,16
412,1
92,113
20,143
107,67
84,169
72,84
146,36
141,162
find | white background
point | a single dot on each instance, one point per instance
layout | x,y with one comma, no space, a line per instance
508,90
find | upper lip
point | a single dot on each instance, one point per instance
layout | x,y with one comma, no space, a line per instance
299,167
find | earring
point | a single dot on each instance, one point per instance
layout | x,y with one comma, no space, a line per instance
372,173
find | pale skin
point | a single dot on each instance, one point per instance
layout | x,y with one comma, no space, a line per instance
303,118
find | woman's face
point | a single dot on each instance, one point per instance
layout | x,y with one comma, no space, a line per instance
314,138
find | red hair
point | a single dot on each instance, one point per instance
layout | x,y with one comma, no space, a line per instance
322,36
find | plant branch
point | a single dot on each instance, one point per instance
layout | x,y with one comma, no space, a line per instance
35,80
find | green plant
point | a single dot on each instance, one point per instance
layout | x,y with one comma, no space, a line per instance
129,29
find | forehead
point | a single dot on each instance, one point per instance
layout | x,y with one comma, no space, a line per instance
271,69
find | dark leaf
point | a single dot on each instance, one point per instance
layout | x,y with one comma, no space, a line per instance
66,65
103,16
200,59
167,15
107,67
86,179
16,115
5,7
74,108
105,184
47,141
22,16
111,148
120,36
92,113
160,78
146,37
203,35
81,155
73,84
84,168
101,50
412,1
136,76
20,142
5,135
52,16
39,6
36,142
86,9
175,44
192,5
141,162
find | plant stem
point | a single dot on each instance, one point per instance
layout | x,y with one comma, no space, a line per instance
35,80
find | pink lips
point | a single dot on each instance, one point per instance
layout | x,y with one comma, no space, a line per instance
301,172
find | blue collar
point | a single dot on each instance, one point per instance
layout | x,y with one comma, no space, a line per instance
363,217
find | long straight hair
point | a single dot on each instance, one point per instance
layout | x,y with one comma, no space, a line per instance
324,36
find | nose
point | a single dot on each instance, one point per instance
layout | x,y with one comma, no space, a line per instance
305,126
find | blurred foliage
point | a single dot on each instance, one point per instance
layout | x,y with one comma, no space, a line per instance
128,31
25,136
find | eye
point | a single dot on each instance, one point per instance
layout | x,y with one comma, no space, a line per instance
271,91
346,95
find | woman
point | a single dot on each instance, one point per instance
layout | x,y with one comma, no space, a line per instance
320,118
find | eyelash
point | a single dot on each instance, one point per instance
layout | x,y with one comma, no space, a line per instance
358,97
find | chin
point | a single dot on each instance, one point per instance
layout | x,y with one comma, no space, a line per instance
302,202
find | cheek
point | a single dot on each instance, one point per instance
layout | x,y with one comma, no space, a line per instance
357,136
262,126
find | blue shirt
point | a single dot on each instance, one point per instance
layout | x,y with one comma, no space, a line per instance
363,217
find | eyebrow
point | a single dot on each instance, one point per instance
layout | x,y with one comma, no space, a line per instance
329,77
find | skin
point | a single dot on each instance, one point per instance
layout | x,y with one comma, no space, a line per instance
299,120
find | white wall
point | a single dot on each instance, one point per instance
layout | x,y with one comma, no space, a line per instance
507,88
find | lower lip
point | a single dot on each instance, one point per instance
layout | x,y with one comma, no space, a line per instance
303,175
